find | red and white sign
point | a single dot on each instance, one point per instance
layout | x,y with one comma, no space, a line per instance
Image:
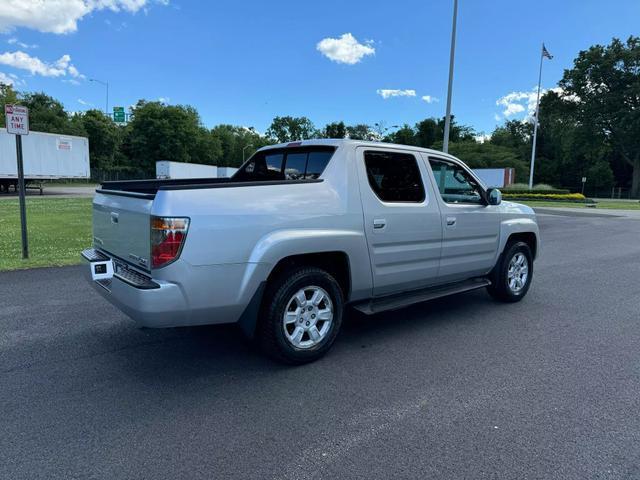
17,119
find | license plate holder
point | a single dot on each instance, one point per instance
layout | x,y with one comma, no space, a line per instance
101,270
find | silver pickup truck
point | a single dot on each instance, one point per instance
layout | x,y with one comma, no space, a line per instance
299,232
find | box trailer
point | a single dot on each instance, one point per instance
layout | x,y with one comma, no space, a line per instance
166,169
46,156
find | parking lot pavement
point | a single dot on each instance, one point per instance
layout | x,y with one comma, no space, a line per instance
457,388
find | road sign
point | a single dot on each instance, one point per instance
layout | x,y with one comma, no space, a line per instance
17,119
584,179
119,115
17,122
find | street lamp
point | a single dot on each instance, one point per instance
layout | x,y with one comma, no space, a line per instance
245,147
106,84
447,120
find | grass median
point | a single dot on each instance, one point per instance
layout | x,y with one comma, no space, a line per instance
613,204
58,228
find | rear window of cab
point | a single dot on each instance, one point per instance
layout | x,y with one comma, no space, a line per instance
300,163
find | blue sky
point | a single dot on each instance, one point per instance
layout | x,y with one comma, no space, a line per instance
246,62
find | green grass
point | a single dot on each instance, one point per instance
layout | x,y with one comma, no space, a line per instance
616,205
58,229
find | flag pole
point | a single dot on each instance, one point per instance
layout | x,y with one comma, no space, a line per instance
535,126
447,119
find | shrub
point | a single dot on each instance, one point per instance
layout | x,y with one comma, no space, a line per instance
543,186
545,196
517,186
557,191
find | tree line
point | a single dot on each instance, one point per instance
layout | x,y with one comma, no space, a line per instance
588,127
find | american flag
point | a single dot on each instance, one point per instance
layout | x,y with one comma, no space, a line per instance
545,52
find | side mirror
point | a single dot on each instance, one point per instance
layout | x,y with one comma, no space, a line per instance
494,196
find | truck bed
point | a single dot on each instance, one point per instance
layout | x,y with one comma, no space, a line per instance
151,187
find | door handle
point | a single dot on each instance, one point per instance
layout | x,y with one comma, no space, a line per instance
379,223
451,221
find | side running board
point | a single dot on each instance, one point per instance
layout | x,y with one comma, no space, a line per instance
401,300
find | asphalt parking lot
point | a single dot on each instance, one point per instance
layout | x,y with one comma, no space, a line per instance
457,388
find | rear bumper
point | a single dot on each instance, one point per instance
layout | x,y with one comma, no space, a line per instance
150,303
180,294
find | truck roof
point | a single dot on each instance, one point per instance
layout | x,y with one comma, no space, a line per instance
337,142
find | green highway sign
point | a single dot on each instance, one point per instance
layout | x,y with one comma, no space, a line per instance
119,115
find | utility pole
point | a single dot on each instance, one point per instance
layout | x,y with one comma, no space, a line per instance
447,120
106,84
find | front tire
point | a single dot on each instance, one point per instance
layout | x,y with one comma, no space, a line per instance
511,277
301,315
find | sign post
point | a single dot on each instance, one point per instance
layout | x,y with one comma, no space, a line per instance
17,122
584,180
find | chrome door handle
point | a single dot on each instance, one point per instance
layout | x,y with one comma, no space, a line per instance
451,221
379,223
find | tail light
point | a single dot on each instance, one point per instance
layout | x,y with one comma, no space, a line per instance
167,238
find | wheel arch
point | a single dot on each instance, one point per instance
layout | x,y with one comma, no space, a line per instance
523,229
335,262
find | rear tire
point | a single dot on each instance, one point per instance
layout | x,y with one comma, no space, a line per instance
511,277
301,315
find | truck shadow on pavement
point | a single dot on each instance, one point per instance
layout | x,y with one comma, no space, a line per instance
179,353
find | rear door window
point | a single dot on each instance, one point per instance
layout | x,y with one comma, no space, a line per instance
316,163
394,176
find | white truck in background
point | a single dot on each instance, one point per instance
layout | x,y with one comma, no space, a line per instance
46,156
166,170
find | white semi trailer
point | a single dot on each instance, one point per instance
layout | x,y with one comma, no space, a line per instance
166,170
46,156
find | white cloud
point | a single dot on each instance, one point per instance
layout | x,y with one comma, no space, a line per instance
35,66
515,103
164,100
345,49
85,103
15,41
389,92
60,16
8,79
430,99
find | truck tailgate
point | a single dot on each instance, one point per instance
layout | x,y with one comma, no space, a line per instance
121,226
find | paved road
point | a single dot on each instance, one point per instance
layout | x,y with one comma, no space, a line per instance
458,388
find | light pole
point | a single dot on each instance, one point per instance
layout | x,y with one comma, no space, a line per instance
447,120
245,147
106,84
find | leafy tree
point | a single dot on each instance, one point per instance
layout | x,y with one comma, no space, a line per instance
604,84
104,136
46,114
167,132
335,130
428,132
288,129
405,135
361,131
234,140
599,176
7,95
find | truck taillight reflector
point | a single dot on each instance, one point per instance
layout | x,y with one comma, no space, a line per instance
167,238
